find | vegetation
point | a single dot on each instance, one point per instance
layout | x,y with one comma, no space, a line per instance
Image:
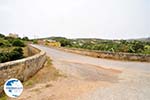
127,46
11,48
25,38
35,41
15,54
3,97
18,42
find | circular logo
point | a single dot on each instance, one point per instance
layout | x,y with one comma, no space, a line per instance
13,88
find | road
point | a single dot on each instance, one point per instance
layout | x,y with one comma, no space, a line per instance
91,78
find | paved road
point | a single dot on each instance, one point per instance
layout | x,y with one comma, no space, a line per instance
126,80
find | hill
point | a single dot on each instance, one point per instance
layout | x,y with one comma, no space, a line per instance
140,46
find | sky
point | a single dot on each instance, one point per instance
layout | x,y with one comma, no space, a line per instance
107,19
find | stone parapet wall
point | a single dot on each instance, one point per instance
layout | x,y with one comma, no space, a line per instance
110,55
22,69
32,50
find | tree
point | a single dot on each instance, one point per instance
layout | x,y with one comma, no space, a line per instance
17,53
138,46
63,41
4,43
2,36
35,41
123,41
18,43
25,38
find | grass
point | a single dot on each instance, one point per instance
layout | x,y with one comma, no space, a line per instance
6,49
29,83
3,97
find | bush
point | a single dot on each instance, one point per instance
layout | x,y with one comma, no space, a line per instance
25,38
35,41
4,43
1,44
18,43
2,36
15,54
4,57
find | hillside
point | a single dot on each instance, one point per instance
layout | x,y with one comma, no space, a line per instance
11,48
140,46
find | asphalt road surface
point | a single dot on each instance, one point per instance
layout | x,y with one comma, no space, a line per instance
100,79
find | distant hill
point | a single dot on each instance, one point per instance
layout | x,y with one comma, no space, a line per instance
139,46
142,39
145,39
97,39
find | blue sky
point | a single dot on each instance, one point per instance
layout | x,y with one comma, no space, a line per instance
111,19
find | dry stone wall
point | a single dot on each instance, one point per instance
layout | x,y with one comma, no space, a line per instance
24,68
110,55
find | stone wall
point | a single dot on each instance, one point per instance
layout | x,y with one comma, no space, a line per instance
22,69
32,50
110,55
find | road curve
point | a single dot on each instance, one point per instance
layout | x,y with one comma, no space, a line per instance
126,80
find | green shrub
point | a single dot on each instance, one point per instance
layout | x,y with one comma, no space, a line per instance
4,43
18,43
4,57
35,41
2,36
25,38
127,46
15,54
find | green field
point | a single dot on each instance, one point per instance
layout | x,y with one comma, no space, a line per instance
140,46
